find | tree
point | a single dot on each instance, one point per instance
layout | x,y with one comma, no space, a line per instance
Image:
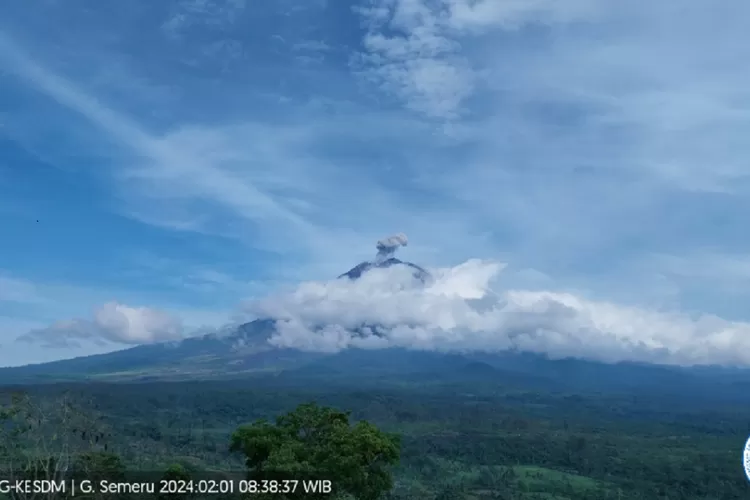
175,472
319,443
41,438
94,466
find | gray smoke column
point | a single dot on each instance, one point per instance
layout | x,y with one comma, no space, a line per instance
387,246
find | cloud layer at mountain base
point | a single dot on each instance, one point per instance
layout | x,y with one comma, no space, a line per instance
466,308
111,323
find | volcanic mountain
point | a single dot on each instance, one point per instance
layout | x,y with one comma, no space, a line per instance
232,351
358,270
244,350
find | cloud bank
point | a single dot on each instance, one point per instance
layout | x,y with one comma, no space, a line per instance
111,323
466,308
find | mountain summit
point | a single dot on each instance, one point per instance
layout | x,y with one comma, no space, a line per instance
358,270
386,249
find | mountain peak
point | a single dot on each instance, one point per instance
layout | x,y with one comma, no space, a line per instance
386,249
358,270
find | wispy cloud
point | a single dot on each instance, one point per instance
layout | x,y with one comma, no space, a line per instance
706,265
18,290
187,14
164,161
153,270
415,50
312,46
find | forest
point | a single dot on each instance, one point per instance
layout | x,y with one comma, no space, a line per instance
450,441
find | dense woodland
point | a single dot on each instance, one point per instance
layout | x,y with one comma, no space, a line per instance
456,441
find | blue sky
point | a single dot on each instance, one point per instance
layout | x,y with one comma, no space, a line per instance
162,161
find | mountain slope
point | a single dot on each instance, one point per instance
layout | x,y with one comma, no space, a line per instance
244,350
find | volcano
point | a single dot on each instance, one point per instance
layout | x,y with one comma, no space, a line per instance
233,351
244,350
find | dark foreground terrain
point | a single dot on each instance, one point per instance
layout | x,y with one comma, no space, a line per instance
464,438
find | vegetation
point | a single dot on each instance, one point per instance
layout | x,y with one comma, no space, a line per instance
455,441
318,443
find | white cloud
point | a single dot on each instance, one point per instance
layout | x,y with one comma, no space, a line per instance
463,310
706,265
420,64
312,46
413,48
190,13
111,323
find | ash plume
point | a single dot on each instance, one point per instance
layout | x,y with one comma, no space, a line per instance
387,246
